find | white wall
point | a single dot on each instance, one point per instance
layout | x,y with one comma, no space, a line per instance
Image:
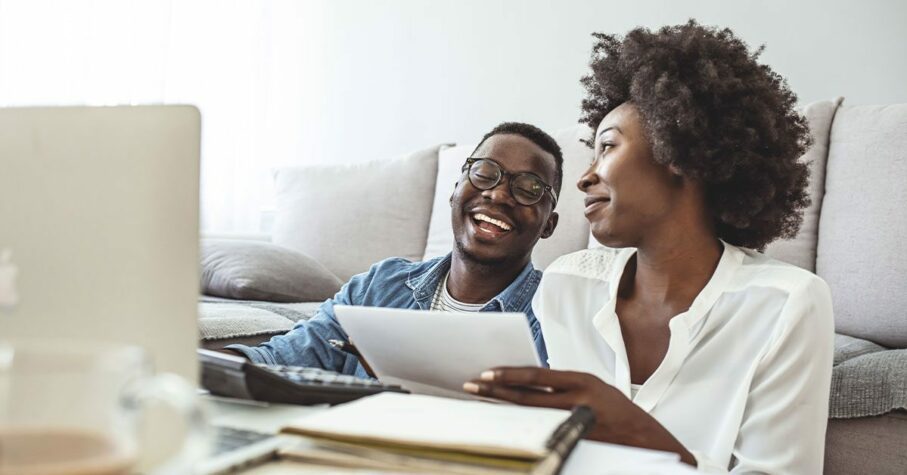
402,74
284,82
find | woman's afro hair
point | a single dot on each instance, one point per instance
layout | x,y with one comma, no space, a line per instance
717,115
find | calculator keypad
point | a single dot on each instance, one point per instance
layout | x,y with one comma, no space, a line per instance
322,377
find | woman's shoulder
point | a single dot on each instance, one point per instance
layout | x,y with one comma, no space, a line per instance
760,270
595,263
574,287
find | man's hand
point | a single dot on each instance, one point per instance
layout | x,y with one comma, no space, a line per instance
617,419
231,352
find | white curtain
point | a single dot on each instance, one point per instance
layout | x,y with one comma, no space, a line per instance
251,67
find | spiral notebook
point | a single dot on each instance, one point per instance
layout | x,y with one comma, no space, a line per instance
431,434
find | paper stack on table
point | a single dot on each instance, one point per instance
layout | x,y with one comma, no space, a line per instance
597,458
398,432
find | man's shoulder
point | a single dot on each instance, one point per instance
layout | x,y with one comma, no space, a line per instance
399,263
396,269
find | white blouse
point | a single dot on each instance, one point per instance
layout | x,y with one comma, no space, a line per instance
745,383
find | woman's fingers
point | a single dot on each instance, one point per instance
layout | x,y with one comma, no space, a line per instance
539,377
521,395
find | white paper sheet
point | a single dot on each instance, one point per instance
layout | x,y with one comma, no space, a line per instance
597,458
437,349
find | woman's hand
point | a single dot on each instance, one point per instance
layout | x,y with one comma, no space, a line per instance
617,419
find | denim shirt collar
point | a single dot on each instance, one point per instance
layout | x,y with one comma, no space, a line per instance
424,282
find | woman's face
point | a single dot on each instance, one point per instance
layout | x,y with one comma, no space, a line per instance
628,195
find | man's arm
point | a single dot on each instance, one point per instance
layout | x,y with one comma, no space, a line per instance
232,352
538,338
307,343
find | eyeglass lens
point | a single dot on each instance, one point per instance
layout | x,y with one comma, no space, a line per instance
525,188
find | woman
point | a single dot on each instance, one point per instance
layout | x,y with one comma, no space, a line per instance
687,340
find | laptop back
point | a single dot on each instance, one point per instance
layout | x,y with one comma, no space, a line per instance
99,227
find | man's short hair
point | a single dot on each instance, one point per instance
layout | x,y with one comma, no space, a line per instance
538,137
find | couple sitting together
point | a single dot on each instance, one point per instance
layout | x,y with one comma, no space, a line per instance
687,339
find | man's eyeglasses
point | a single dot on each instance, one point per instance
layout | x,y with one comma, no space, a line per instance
526,188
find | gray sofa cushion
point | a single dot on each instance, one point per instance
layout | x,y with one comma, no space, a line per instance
864,221
867,379
350,216
801,249
252,270
868,445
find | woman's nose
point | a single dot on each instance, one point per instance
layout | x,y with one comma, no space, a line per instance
588,179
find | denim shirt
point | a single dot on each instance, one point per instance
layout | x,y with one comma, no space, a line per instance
391,283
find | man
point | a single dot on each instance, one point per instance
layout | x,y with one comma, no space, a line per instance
501,205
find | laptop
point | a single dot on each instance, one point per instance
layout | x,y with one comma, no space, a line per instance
99,213
99,219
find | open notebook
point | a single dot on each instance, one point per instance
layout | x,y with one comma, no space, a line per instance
430,434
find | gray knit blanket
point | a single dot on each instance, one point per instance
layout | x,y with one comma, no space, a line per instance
867,379
221,319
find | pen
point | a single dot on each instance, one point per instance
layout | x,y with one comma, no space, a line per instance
350,348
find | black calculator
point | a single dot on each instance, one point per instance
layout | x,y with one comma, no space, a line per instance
232,376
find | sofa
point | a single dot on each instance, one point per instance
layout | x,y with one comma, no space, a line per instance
344,218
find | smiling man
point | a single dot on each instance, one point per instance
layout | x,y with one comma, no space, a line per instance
501,206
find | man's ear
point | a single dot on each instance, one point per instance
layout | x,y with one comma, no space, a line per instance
550,225
452,193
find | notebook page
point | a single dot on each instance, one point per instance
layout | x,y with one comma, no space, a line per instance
480,427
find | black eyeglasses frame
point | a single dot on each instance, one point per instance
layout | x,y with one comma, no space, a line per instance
467,168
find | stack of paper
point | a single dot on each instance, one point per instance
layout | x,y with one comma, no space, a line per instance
399,432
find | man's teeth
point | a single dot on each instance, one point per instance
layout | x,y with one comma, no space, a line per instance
496,222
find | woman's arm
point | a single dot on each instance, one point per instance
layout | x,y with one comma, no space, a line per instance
786,414
782,429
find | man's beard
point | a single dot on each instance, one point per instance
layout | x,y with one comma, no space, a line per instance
490,263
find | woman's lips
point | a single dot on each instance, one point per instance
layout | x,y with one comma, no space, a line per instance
593,203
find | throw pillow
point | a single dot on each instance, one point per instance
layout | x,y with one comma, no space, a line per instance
252,270
350,216
440,229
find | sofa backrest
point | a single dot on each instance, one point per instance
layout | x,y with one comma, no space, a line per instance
864,222
572,233
850,234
